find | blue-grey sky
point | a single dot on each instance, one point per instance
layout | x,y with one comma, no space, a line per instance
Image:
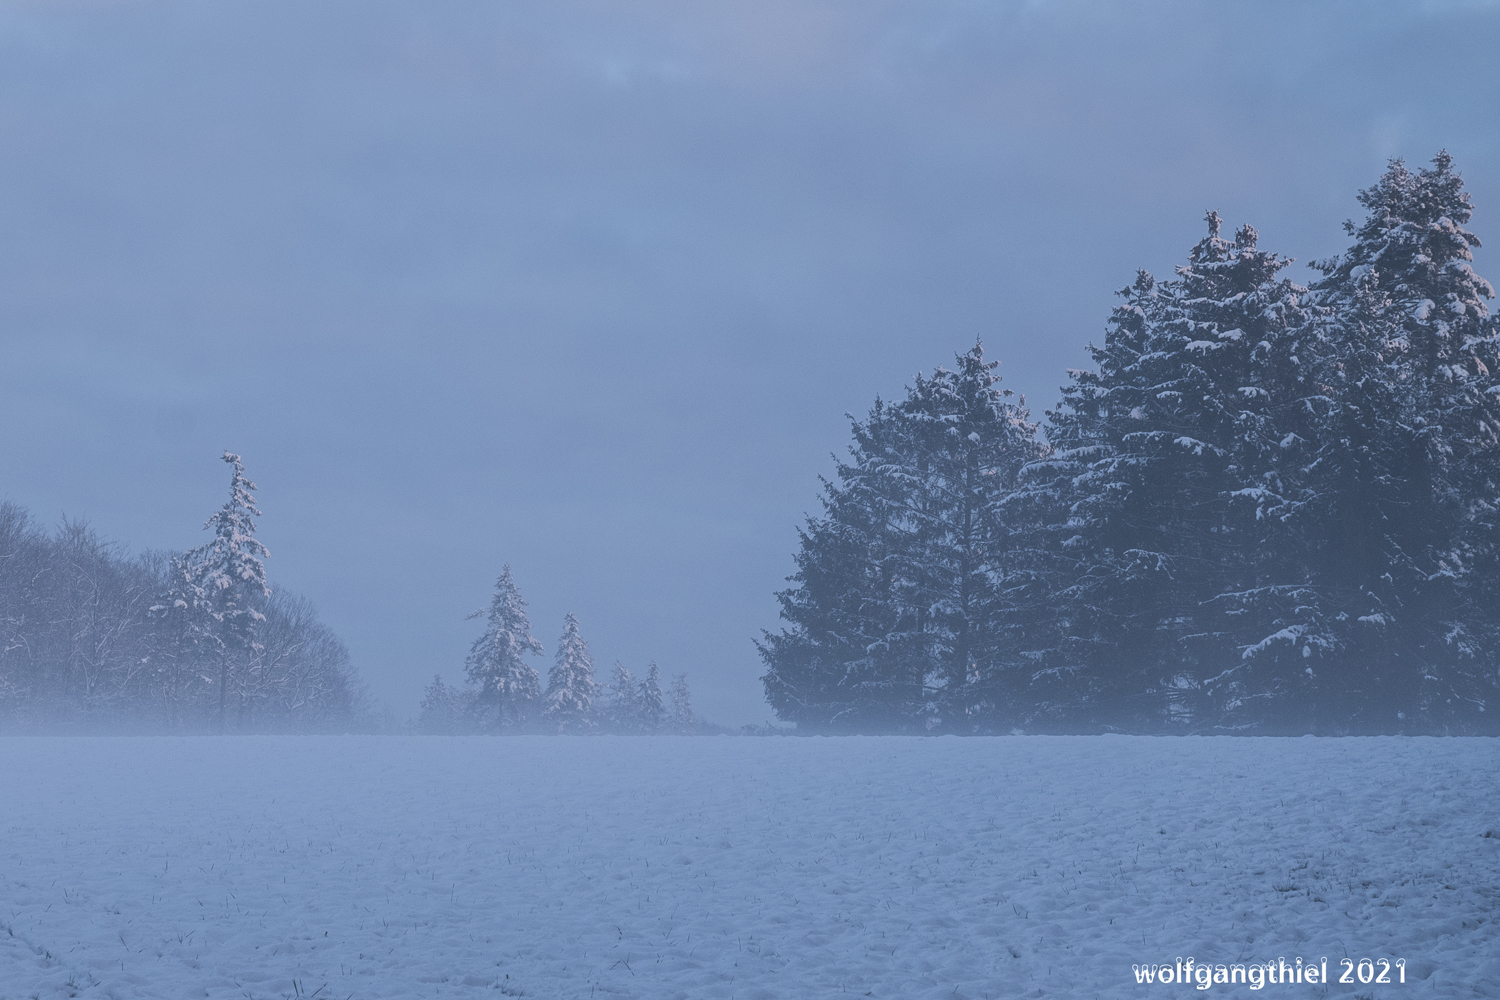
589,287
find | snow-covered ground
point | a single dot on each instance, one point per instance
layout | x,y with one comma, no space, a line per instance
738,867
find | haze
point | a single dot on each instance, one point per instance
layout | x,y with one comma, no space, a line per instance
588,288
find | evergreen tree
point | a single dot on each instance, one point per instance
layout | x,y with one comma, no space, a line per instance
445,709
570,683
624,704
1247,396
1268,509
1166,464
848,662
508,687
905,614
649,706
222,581
966,556
682,706
1407,475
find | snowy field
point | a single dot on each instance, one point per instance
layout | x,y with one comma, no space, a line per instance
661,868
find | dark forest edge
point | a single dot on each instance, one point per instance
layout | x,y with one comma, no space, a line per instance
1272,509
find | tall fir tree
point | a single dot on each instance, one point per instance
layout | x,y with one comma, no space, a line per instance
1407,473
508,688
1164,467
904,606
966,554
1246,327
570,683
847,662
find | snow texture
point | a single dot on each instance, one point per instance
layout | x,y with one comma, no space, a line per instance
747,868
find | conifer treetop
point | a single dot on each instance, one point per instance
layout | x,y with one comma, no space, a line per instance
233,562
1414,239
496,661
509,626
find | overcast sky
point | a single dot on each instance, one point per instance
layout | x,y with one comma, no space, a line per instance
589,287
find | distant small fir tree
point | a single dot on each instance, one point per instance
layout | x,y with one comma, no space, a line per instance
651,711
622,712
682,720
570,683
445,710
508,688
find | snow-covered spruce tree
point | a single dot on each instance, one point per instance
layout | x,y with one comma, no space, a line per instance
221,582
1248,329
622,709
650,708
968,566
904,610
682,707
1407,472
1164,467
570,683
445,709
508,688
844,664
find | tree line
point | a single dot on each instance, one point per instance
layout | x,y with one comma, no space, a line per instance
503,693
1268,508
92,639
